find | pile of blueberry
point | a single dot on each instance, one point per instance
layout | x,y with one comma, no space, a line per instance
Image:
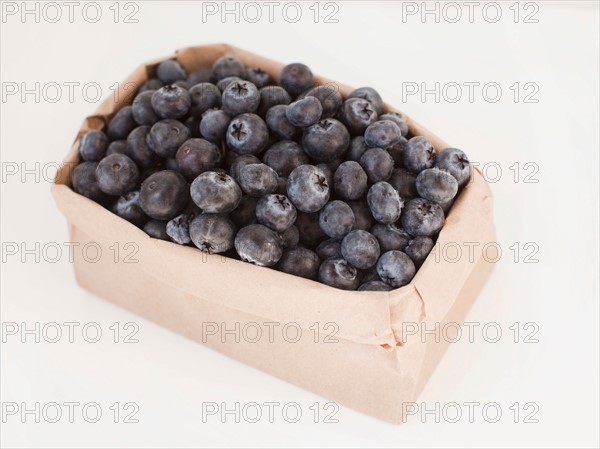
291,176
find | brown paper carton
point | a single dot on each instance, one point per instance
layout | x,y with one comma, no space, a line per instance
365,364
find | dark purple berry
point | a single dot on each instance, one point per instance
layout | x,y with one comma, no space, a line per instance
398,120
350,181
276,212
164,195
311,233
329,248
384,202
339,273
421,217
378,164
117,146
300,261
247,134
215,192
121,124
258,77
357,149
357,114
138,148
329,96
196,156
171,102
214,125
258,179
371,95
85,182
304,112
272,96
395,268
382,134
326,140
212,233
228,66
404,182
374,286
170,71
167,136
418,249
290,237
157,229
456,163
240,97
279,124
363,219
308,188
390,237
361,249
128,207
296,78
142,110
93,145
117,174
436,185
336,219
284,156
204,96
178,228
259,245
419,154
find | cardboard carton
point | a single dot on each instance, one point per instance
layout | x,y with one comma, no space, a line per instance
350,347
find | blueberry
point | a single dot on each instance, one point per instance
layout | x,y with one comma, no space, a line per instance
308,188
117,174
272,96
245,213
141,109
290,237
215,192
419,154
296,78
398,120
225,82
284,156
378,164
350,181
214,125
404,182
128,207
201,75
339,273
276,212
311,233
361,249
212,233
170,71
240,97
357,149
151,84
259,245
239,162
418,249
83,178
329,96
121,124
369,275
93,145
204,96
171,102
167,136
258,179
157,229
363,219
397,152
456,163
196,156
382,134
357,114
395,268
336,219
329,248
247,134
164,195
278,122
300,261
371,95
305,112
374,286
421,217
258,77
117,146
436,185
326,140
228,66
138,148
178,228
384,202
390,237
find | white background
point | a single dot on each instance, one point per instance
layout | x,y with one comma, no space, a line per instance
372,44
